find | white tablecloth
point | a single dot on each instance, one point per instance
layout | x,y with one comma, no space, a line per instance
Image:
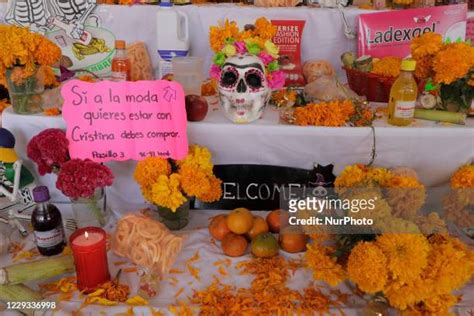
434,150
198,240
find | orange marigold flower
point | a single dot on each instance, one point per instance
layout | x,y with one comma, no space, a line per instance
324,266
264,28
407,255
49,77
218,35
425,45
463,178
367,267
387,66
148,170
194,180
335,113
453,62
214,193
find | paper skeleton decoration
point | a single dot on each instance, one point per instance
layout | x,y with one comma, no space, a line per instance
243,88
44,15
16,181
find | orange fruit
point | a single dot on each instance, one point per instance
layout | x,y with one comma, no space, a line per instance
292,240
218,227
234,245
259,226
240,220
275,220
264,245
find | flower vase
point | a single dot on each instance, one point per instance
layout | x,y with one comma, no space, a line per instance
90,211
377,306
25,90
457,96
175,220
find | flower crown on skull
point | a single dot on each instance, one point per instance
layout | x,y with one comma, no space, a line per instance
227,40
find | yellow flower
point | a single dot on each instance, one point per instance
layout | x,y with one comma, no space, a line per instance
271,48
194,181
166,192
199,157
351,176
425,45
453,62
450,264
324,266
367,267
214,193
148,170
463,178
406,255
387,66
392,224
229,50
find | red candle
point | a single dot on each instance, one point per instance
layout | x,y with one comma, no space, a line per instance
88,246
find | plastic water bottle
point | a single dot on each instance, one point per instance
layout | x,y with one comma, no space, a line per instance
173,36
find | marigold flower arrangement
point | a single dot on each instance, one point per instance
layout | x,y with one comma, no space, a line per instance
450,66
169,184
20,47
387,66
412,272
334,114
226,40
399,188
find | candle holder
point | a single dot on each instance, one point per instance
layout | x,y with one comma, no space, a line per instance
88,246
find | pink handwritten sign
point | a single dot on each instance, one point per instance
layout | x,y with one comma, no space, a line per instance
125,120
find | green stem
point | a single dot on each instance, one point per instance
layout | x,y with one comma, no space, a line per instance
96,210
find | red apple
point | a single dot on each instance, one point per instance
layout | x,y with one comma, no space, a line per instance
196,107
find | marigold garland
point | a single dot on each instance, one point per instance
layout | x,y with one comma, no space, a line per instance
333,114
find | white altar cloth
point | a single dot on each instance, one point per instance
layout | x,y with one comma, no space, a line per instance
434,150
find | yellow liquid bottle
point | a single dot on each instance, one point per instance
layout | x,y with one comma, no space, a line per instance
401,105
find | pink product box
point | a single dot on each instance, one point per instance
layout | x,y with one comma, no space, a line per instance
389,33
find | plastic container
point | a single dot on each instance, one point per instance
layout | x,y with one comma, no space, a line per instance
172,36
188,72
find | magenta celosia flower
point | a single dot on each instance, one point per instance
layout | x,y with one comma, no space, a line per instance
266,58
241,48
80,178
215,72
49,150
276,80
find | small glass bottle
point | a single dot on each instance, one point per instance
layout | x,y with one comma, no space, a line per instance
121,66
403,94
47,224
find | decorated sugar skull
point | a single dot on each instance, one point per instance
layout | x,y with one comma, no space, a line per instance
243,88
246,68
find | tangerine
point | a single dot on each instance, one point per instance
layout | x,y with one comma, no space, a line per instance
234,245
240,220
218,227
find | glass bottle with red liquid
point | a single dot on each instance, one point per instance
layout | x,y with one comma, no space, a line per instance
47,224
121,66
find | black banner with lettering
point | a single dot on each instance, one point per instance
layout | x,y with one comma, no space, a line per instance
258,187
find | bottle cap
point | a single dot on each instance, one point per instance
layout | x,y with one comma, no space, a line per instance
41,194
408,65
165,3
119,44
